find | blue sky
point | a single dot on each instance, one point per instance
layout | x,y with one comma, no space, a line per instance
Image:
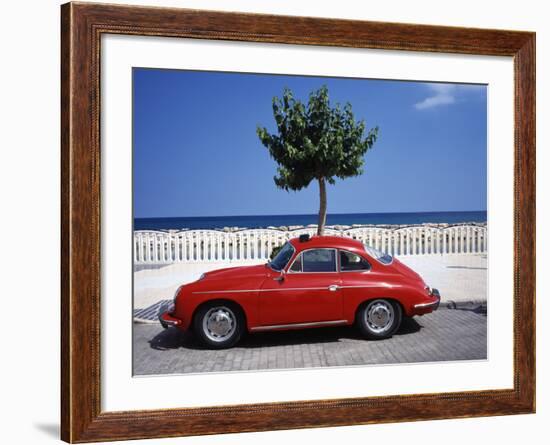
196,152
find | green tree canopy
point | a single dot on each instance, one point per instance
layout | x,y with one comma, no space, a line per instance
315,142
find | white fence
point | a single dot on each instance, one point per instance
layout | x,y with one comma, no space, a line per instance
159,247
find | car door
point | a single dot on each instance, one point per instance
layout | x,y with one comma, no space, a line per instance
359,281
308,292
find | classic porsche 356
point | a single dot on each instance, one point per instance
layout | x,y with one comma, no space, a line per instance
311,282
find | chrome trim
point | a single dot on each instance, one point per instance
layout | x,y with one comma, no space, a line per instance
168,323
219,324
420,305
291,289
299,325
379,316
372,285
258,290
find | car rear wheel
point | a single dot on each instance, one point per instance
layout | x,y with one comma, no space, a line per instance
378,319
219,325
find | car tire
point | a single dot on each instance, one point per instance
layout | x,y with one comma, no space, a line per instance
379,319
219,325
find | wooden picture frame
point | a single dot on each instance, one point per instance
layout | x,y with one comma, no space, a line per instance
82,26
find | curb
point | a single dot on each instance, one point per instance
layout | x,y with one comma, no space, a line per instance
469,304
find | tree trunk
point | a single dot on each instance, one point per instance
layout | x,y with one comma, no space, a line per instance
322,206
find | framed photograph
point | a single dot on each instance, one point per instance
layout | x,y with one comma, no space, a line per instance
274,222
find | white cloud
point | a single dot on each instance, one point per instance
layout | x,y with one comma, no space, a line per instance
442,94
448,94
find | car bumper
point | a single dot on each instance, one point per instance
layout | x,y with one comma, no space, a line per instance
425,307
167,320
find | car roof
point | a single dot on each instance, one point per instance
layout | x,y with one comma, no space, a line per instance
337,242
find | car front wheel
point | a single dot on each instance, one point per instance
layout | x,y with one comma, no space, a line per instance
219,325
378,319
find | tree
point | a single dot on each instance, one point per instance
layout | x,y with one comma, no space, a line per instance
315,142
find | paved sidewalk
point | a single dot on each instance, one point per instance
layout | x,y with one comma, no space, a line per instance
459,278
444,335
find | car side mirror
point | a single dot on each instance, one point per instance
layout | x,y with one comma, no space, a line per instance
281,277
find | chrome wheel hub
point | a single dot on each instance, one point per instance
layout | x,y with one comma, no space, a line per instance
379,316
219,323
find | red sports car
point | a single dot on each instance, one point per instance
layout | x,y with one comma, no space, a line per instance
311,282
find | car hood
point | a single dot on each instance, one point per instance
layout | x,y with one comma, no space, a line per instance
259,270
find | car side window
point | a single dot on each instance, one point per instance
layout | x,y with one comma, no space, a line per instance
351,261
319,260
297,264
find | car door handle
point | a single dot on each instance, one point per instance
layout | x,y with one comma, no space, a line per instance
333,287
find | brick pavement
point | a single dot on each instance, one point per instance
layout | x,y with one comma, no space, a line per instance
445,335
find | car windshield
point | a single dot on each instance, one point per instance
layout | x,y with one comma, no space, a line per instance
378,255
281,259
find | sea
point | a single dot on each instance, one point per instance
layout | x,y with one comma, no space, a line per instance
347,219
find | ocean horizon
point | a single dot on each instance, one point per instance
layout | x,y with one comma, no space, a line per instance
344,219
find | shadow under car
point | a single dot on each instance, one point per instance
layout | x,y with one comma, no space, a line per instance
173,338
